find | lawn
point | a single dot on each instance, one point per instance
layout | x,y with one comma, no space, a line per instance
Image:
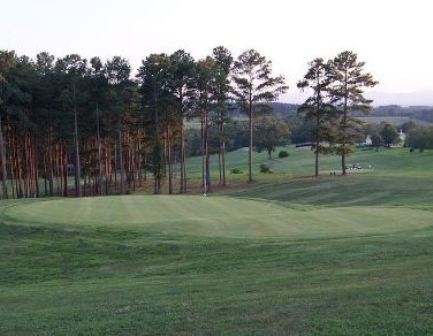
285,255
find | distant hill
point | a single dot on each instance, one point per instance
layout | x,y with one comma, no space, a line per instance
395,121
394,114
280,109
416,113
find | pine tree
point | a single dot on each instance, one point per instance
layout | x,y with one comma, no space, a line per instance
118,72
98,89
74,67
181,74
348,81
222,89
154,87
317,109
255,86
7,60
204,83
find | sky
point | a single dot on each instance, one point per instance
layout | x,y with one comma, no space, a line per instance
394,38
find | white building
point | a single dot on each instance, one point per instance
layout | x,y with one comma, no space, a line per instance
402,137
368,141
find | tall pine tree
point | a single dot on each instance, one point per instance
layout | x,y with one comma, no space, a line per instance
254,88
317,109
348,82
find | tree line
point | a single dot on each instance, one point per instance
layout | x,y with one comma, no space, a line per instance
114,131
94,121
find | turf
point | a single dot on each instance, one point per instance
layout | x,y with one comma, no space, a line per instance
286,255
217,217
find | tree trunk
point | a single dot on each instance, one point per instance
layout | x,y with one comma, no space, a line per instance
344,124
121,164
223,162
4,189
206,143
203,151
65,173
98,137
250,149
115,165
343,162
170,173
220,129
51,176
157,149
77,148
182,161
12,168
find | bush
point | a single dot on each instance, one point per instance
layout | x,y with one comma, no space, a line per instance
265,169
236,171
283,154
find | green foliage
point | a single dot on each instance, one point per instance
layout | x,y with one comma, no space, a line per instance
270,133
389,134
236,171
264,168
376,140
420,138
283,154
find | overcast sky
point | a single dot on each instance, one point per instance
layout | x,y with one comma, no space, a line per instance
393,37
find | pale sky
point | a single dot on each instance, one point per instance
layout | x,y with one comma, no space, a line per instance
394,38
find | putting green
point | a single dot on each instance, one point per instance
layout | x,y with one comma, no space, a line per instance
218,216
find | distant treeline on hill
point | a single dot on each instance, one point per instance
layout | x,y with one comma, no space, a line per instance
424,113
278,109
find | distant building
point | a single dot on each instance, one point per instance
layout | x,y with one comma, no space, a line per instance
402,136
368,141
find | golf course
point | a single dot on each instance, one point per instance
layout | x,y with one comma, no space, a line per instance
285,255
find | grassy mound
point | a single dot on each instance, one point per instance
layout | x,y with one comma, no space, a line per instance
218,217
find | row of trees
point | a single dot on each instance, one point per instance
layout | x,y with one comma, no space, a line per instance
383,134
93,120
420,137
337,87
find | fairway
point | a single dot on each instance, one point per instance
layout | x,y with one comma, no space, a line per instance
285,255
218,216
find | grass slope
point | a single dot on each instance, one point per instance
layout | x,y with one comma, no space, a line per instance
283,256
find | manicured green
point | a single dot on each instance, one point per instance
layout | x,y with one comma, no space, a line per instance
285,255
216,217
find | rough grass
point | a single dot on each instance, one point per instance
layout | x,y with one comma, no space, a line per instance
333,256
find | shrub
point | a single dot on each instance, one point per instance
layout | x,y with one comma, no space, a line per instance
283,154
236,171
265,169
